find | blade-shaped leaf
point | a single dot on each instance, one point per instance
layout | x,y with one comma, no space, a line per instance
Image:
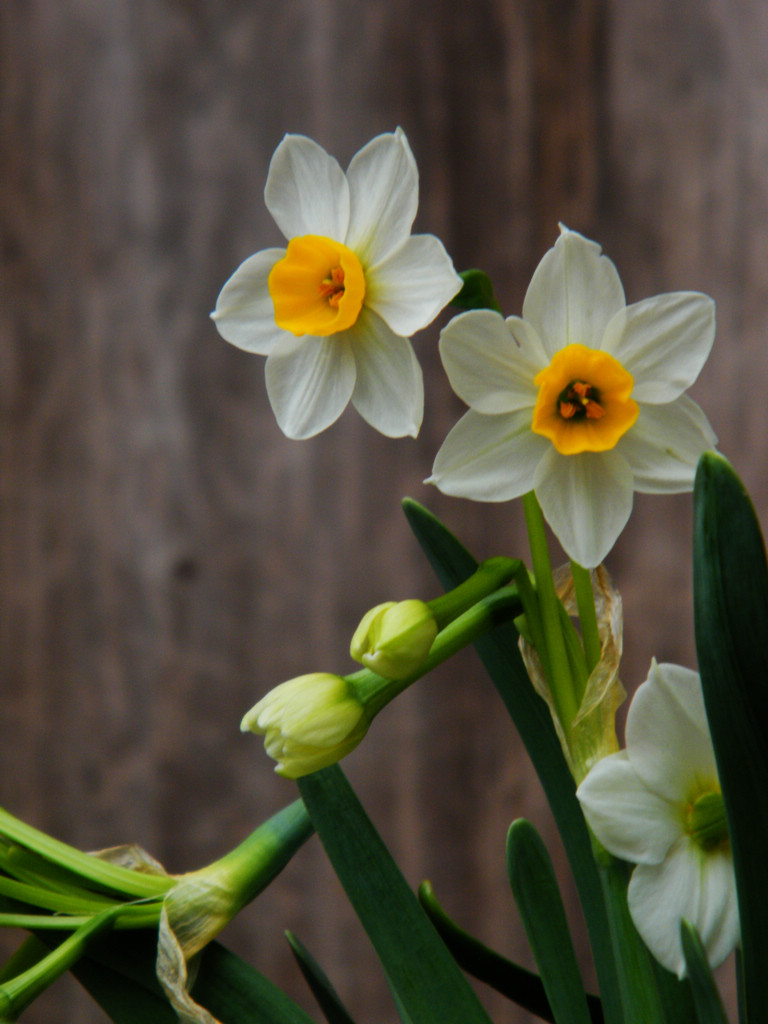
428,982
537,895
327,998
119,973
709,1008
516,983
500,655
731,612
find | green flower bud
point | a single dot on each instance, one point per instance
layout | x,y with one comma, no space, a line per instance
394,639
308,723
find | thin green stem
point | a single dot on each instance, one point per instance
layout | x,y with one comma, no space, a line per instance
490,575
561,680
130,916
20,991
635,971
84,865
576,657
533,617
585,600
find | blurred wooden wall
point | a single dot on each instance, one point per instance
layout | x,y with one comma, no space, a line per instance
166,555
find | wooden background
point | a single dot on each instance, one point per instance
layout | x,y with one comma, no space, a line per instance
166,555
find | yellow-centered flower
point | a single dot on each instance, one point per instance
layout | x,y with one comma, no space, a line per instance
333,312
580,400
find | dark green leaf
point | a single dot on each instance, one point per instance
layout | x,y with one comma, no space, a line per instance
119,973
709,1008
731,615
428,983
327,998
476,292
516,983
537,895
500,655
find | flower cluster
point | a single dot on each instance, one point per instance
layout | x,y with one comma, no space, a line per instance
574,406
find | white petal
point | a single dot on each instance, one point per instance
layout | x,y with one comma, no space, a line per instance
384,195
667,734
665,444
306,191
586,499
629,820
410,287
484,363
573,294
489,458
389,390
663,342
531,352
245,313
689,885
309,382
718,919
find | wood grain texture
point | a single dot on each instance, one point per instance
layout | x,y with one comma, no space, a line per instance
166,555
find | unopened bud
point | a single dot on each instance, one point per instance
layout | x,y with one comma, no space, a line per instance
394,639
308,723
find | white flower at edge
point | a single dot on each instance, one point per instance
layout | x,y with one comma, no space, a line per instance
334,311
658,805
581,400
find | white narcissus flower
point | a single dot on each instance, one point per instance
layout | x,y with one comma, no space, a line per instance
658,805
581,400
308,723
333,312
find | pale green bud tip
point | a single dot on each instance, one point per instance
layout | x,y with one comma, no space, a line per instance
308,723
394,639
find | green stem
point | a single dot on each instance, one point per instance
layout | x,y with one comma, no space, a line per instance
585,600
27,986
634,967
84,865
532,611
561,680
131,916
490,575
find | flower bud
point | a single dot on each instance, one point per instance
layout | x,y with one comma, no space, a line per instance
308,723
394,639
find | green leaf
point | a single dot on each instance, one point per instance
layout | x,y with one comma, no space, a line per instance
516,983
427,981
500,655
476,292
730,579
640,981
327,998
18,992
119,973
537,895
709,1008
